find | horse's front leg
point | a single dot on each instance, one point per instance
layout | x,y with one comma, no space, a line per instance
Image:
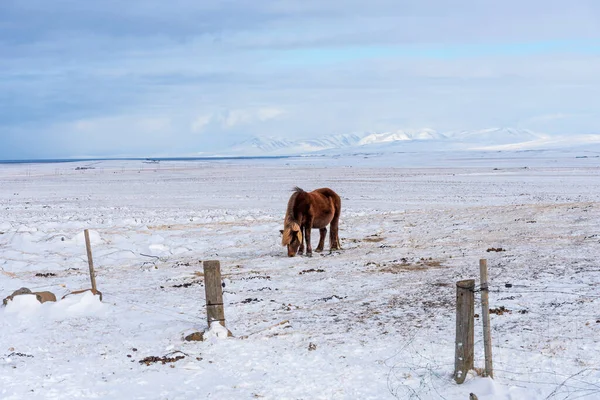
308,229
323,233
301,249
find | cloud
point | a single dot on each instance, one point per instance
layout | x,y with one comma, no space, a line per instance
201,122
553,117
181,75
110,125
230,119
235,118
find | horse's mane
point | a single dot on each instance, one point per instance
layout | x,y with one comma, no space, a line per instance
290,224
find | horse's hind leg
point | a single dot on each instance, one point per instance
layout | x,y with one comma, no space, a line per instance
323,233
334,239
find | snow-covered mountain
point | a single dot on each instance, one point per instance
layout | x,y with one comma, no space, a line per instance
274,145
496,136
337,141
411,140
266,144
401,135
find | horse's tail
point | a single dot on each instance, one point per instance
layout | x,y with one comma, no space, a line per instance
290,223
289,214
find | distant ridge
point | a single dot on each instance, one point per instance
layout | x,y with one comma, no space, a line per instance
412,140
259,145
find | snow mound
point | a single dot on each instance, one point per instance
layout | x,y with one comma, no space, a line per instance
216,331
23,305
95,238
28,307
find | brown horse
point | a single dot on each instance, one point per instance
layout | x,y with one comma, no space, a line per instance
307,211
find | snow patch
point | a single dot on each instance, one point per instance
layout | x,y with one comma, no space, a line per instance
216,331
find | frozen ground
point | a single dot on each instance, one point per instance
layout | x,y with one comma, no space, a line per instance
373,321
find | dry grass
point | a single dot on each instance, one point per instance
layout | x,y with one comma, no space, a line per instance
404,265
373,239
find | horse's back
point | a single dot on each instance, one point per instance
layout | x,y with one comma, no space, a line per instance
328,193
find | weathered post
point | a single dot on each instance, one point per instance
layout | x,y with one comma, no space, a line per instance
90,260
464,346
485,314
214,292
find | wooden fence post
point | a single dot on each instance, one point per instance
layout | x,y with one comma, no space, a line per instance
485,313
464,345
88,247
214,292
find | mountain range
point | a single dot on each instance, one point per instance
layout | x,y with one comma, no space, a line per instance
493,139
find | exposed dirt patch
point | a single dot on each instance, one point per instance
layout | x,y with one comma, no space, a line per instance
182,264
496,249
306,271
250,300
500,310
369,239
163,360
397,268
249,278
442,303
262,289
335,296
15,354
187,284
195,337
45,275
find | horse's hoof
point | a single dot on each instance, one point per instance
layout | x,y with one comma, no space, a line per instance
308,254
318,250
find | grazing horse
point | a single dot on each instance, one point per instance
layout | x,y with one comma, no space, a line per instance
307,211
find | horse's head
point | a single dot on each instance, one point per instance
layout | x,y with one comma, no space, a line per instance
292,238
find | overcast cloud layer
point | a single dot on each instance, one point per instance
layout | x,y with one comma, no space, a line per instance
183,77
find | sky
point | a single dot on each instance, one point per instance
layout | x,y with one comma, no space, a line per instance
189,77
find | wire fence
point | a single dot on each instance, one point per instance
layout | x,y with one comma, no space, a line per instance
553,331
545,341
545,338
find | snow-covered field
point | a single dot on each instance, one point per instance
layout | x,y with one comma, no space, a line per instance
373,321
